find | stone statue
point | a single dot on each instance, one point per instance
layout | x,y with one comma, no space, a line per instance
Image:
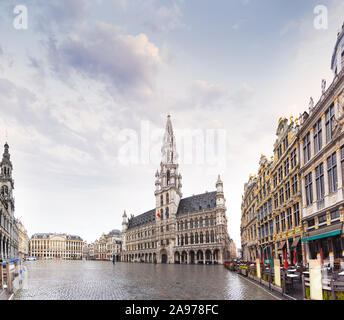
323,86
311,104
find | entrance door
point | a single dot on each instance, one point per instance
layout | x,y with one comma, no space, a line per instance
164,258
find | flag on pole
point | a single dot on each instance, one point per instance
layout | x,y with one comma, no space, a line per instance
158,214
321,255
166,213
285,259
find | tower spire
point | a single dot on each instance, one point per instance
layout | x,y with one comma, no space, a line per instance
169,150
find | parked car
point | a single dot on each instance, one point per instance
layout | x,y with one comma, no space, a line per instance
30,259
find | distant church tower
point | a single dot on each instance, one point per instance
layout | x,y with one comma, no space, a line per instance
6,181
168,182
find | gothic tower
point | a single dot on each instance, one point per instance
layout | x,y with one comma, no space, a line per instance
6,181
168,181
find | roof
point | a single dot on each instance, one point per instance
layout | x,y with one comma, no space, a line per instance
143,218
204,201
115,232
48,235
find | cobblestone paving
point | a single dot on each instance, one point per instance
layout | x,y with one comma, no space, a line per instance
101,280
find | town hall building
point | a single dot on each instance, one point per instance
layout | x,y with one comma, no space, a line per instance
189,230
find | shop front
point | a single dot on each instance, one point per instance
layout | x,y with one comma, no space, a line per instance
325,243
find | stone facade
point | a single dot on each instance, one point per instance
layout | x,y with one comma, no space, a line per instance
8,228
179,230
107,247
304,182
23,240
56,246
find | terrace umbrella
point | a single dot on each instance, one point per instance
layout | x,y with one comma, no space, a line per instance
285,259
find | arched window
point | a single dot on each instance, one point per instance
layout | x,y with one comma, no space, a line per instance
196,237
192,238
167,198
200,222
178,241
181,225
206,222
207,237
161,200
201,237
4,190
181,240
212,236
186,224
212,220
191,223
186,238
168,177
196,223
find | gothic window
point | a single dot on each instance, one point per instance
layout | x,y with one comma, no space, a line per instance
191,223
192,238
168,177
4,190
181,225
206,222
167,214
212,220
196,223
212,236
200,222
201,237
186,239
161,200
186,224
167,198
181,240
207,237
196,238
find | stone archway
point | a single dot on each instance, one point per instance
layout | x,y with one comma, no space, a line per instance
163,256
177,257
200,256
208,256
192,257
216,256
184,257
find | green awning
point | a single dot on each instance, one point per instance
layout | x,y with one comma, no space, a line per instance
324,235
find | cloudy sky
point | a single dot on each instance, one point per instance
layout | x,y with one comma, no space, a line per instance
86,75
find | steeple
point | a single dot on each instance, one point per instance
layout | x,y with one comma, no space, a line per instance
169,150
6,164
167,178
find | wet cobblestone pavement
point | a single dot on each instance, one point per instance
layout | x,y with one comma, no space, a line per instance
101,280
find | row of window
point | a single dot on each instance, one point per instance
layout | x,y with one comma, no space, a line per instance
281,224
195,238
318,134
322,219
195,223
332,174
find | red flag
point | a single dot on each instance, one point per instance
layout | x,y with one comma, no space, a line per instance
294,256
322,262
158,214
285,259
